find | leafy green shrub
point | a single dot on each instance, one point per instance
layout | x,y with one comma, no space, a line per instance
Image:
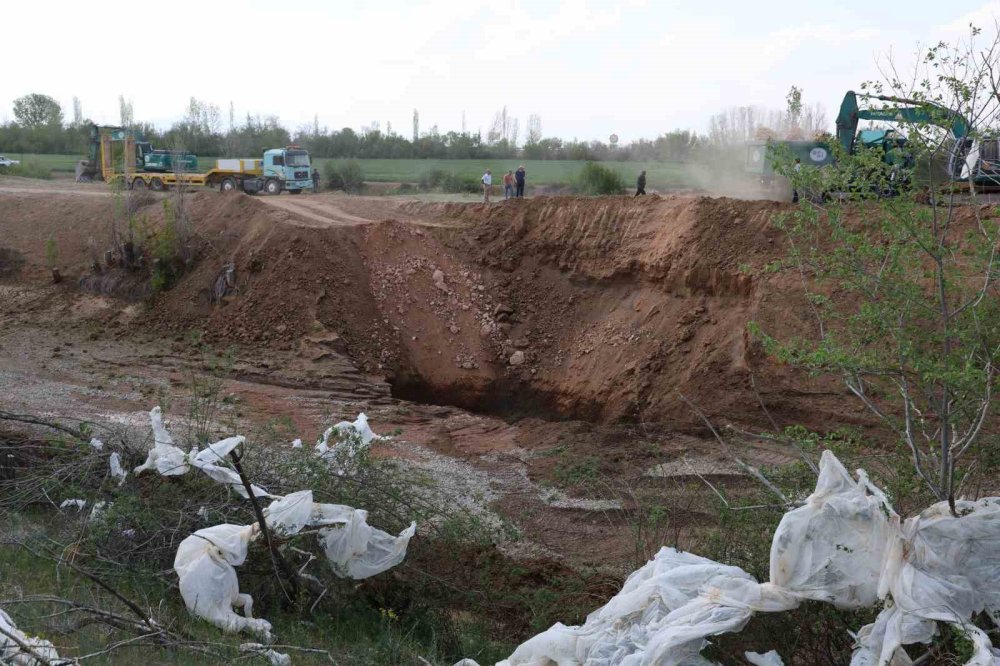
165,248
27,169
347,176
457,184
596,179
51,253
431,179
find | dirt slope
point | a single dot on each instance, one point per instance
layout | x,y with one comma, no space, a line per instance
595,308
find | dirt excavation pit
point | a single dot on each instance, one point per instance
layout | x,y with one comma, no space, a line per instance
545,344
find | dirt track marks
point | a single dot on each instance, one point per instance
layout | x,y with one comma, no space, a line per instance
325,213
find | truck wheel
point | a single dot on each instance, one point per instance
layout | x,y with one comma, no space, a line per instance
138,184
272,186
295,191
157,185
228,185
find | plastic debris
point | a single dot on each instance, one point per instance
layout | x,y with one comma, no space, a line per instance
296,443
352,438
70,503
164,457
844,546
206,560
14,654
771,658
276,658
96,444
98,509
115,465
169,460
207,461
354,548
205,564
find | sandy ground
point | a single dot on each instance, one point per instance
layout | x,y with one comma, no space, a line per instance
340,309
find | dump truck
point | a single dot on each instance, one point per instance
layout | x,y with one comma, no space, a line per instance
119,158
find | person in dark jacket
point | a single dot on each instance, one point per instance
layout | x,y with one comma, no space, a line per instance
519,180
640,184
315,177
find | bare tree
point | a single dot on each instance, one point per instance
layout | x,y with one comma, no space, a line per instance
534,128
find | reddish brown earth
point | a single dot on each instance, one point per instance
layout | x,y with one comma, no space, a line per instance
551,332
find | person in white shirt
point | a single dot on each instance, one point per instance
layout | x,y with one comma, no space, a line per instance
487,185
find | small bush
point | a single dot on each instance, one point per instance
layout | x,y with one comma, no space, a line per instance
596,179
457,184
51,253
347,176
431,179
27,169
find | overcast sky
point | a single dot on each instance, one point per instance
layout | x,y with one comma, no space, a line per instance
588,68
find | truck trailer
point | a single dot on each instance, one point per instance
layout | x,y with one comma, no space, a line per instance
279,169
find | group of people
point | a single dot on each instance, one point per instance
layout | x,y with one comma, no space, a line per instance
513,184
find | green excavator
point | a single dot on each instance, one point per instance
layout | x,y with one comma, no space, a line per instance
970,157
146,158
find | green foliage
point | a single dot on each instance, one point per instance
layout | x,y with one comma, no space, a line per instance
431,179
164,246
51,253
596,179
573,471
900,289
457,184
37,110
32,168
347,176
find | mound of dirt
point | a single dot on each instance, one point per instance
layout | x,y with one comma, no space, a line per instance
603,309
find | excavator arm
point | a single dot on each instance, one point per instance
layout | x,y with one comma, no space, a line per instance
910,111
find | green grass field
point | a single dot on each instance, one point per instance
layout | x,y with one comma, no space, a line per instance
660,175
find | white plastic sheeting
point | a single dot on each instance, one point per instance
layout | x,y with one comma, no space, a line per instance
78,504
164,457
771,658
208,459
206,560
14,654
845,546
169,460
273,656
205,564
354,437
115,467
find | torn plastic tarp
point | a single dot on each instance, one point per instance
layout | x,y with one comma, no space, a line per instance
207,461
14,654
169,460
164,457
352,438
273,656
71,503
205,564
115,466
844,546
206,560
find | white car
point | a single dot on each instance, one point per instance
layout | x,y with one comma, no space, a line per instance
4,162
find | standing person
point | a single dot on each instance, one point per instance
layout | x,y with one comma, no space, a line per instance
487,185
795,192
519,179
640,184
315,177
508,185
